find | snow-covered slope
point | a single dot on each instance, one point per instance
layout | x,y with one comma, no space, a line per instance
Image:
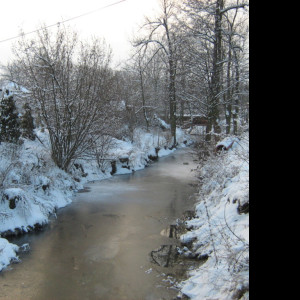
221,229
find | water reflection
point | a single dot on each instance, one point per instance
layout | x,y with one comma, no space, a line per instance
165,255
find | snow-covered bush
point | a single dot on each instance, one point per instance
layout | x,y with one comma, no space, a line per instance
8,253
31,186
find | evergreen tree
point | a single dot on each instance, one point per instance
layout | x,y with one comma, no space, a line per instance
9,121
27,125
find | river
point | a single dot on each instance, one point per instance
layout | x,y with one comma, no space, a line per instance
103,245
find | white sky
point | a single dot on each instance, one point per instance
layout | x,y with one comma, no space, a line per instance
116,23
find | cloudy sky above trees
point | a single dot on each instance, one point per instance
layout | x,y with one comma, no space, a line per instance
114,20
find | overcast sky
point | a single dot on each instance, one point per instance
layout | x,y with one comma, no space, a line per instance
116,23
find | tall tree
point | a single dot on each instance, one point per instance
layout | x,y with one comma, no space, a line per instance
235,37
162,34
205,24
216,80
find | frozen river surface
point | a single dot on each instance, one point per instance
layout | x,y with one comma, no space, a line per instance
99,246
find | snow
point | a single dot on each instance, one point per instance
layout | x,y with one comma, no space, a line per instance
164,152
228,142
8,252
162,122
219,230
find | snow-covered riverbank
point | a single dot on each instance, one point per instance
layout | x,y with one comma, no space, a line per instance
220,231
33,188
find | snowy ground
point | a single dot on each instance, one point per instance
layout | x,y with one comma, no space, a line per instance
32,187
221,229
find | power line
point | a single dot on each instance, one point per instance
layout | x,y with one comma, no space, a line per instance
68,20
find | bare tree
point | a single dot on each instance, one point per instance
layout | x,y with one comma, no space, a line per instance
206,24
163,37
70,82
144,72
235,35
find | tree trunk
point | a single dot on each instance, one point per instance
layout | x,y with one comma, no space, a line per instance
213,115
143,97
228,95
172,102
236,96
